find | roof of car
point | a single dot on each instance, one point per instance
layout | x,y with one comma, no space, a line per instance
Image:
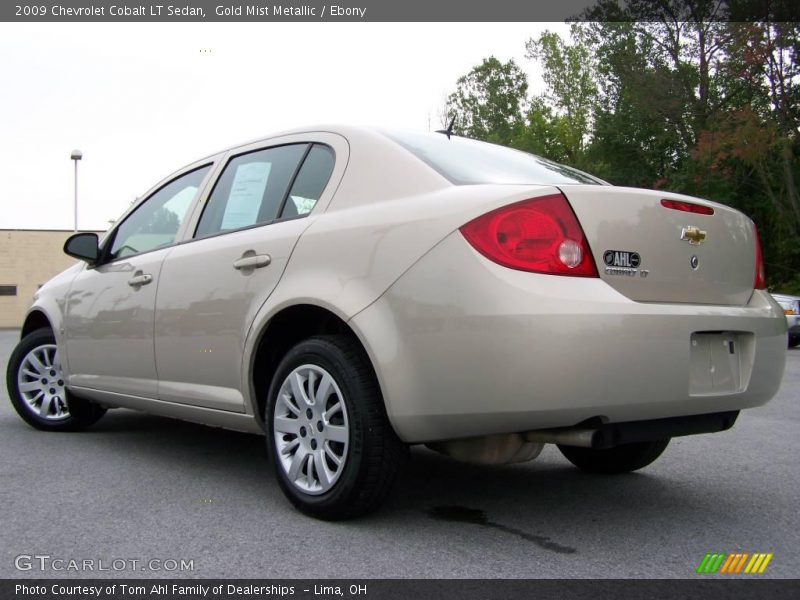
350,132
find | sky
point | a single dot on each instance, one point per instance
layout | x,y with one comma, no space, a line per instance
140,100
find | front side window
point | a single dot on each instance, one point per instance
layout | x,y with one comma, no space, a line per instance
251,189
155,223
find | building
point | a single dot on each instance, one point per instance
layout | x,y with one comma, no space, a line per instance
28,258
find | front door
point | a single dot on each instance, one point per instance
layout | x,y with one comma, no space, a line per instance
109,317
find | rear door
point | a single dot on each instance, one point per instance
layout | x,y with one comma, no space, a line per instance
213,284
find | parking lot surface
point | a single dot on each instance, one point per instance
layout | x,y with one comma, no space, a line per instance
138,488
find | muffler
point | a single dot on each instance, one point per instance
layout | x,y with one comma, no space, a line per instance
490,450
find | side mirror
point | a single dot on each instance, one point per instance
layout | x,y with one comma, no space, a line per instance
84,246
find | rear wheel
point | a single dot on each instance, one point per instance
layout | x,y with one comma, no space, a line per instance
37,389
620,459
335,454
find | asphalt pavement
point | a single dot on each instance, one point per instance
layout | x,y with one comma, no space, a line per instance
138,488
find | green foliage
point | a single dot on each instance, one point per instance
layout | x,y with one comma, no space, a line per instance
567,108
489,101
666,95
789,286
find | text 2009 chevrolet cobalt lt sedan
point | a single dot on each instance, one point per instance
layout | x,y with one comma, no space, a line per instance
352,291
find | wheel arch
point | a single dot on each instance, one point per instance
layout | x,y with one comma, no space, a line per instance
35,319
287,327
46,313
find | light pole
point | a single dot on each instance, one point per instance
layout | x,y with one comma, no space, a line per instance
76,156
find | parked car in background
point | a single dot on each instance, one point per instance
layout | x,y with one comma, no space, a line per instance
349,292
791,307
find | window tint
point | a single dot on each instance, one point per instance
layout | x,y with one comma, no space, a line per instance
465,161
155,223
310,182
251,189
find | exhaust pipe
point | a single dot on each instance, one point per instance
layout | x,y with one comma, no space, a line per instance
520,447
583,438
610,435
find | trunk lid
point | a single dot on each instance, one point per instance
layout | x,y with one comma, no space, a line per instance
621,223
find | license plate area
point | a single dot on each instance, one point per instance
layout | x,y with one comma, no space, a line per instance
721,362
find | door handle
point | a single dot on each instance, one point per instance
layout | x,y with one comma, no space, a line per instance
252,262
139,280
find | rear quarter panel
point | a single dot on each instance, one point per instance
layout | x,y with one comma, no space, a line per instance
465,347
389,210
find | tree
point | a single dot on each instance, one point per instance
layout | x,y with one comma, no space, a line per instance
565,112
694,96
753,146
701,97
489,101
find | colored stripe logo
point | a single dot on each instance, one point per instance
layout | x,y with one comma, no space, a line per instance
734,563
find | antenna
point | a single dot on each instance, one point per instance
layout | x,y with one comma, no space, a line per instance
449,131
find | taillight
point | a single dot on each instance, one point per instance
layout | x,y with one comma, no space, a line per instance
698,209
541,235
760,281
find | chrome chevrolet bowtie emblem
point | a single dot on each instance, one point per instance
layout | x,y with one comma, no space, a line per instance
695,235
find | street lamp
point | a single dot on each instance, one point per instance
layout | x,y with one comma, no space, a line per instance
76,156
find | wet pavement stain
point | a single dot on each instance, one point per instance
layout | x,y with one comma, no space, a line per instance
474,516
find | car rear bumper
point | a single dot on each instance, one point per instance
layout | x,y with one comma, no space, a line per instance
463,347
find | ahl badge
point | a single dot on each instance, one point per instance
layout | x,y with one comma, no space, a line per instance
623,262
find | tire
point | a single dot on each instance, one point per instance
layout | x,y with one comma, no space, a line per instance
620,459
794,341
339,416
44,402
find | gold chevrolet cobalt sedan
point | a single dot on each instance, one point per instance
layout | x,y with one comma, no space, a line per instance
350,292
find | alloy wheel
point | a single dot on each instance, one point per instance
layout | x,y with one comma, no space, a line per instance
311,429
41,383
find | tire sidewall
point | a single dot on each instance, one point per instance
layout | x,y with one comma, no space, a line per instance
326,355
619,459
81,414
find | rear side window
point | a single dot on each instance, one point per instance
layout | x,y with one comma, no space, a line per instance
310,182
464,161
251,189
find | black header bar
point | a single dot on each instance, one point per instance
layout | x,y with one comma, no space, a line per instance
381,10
389,589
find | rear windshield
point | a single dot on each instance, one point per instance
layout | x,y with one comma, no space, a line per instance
464,161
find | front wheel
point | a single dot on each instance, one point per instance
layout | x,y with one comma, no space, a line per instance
37,390
335,454
620,459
